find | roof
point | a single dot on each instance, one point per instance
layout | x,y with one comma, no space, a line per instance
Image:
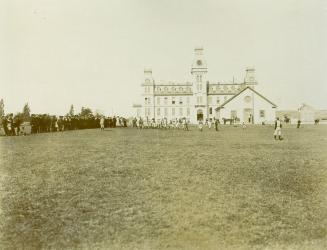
230,99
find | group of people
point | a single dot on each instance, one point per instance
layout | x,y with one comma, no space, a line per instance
11,124
164,123
42,123
209,123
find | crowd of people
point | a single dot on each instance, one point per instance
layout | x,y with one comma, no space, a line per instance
42,123
164,123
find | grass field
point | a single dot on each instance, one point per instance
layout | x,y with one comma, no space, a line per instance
154,189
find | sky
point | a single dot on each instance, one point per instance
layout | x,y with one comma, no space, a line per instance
54,53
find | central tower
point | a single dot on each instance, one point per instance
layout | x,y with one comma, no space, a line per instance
199,71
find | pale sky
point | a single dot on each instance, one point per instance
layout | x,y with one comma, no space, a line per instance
54,53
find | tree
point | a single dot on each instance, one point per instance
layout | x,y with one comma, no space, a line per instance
98,114
26,112
2,108
71,111
86,112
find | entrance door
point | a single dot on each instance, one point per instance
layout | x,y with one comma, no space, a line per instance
199,115
248,116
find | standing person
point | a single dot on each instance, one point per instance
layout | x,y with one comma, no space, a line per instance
209,123
114,121
102,123
216,124
5,125
200,125
298,123
278,129
186,124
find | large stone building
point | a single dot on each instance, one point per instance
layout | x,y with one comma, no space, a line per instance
202,99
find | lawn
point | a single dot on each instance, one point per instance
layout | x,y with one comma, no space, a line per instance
157,189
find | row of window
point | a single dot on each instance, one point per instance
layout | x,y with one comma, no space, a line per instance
233,114
225,87
165,111
180,100
172,89
232,88
165,100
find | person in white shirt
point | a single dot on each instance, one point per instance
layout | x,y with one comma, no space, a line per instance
102,123
278,130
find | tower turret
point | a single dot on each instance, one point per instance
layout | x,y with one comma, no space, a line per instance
249,78
148,94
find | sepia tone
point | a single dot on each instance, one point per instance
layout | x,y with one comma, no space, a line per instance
163,124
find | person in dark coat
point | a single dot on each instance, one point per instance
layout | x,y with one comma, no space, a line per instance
5,125
216,124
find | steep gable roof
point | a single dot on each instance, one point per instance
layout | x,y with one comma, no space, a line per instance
230,99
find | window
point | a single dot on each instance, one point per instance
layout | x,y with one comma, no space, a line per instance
247,99
188,100
173,111
180,89
209,99
188,111
146,100
233,114
145,89
218,100
180,100
180,111
200,86
149,102
158,111
166,100
262,113
210,111
173,100
158,100
200,99
149,111
166,112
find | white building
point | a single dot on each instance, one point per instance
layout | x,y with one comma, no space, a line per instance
201,99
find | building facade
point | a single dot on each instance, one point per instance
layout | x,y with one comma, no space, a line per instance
196,100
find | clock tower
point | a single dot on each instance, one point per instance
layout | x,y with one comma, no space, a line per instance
199,71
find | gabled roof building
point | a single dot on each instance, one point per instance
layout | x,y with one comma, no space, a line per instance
202,99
